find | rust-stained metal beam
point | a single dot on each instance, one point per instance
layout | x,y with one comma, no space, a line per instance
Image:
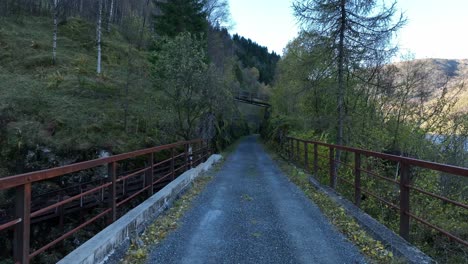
357,179
461,171
17,180
406,164
22,234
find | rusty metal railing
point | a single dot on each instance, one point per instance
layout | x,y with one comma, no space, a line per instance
112,191
292,146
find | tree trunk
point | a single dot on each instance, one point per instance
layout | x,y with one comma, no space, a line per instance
127,86
341,88
143,25
54,37
111,13
98,32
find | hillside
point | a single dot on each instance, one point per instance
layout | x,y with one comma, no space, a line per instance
66,107
57,114
439,71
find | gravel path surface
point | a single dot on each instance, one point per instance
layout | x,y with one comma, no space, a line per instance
251,213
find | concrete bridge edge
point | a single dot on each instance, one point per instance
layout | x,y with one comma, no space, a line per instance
378,231
99,247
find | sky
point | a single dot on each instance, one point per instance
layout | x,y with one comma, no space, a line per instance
435,28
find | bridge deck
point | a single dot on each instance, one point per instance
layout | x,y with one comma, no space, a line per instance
251,213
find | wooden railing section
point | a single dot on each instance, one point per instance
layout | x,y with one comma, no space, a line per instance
114,190
299,150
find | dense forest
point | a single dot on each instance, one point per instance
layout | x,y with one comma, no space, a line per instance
337,82
90,78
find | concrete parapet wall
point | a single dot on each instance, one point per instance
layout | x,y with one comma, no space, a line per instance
395,243
136,220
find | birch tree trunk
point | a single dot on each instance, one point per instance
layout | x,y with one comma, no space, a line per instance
98,32
54,37
111,13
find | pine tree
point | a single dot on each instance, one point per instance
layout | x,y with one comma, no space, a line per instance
356,31
180,16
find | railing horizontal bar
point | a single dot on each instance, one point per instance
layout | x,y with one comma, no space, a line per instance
345,180
55,205
410,161
132,174
134,195
451,236
162,162
344,163
438,197
69,233
323,156
380,199
18,180
180,155
66,188
10,224
179,168
162,178
197,160
379,176
198,150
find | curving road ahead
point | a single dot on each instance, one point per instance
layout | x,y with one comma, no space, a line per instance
251,213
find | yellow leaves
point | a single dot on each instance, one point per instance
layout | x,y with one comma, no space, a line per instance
157,231
337,215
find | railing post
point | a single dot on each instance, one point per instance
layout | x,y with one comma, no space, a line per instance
298,152
60,212
149,174
22,229
357,179
205,150
291,148
186,157
332,167
404,200
172,164
190,155
202,145
306,156
112,174
315,160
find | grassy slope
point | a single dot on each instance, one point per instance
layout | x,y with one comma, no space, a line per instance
66,107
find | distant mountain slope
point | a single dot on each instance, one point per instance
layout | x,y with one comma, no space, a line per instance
452,71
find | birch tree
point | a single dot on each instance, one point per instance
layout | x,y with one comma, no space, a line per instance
111,13
98,37
217,12
54,37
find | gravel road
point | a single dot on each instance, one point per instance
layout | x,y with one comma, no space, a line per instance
251,213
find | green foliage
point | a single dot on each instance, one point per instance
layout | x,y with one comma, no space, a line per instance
55,79
82,113
181,73
386,115
179,16
443,215
253,55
